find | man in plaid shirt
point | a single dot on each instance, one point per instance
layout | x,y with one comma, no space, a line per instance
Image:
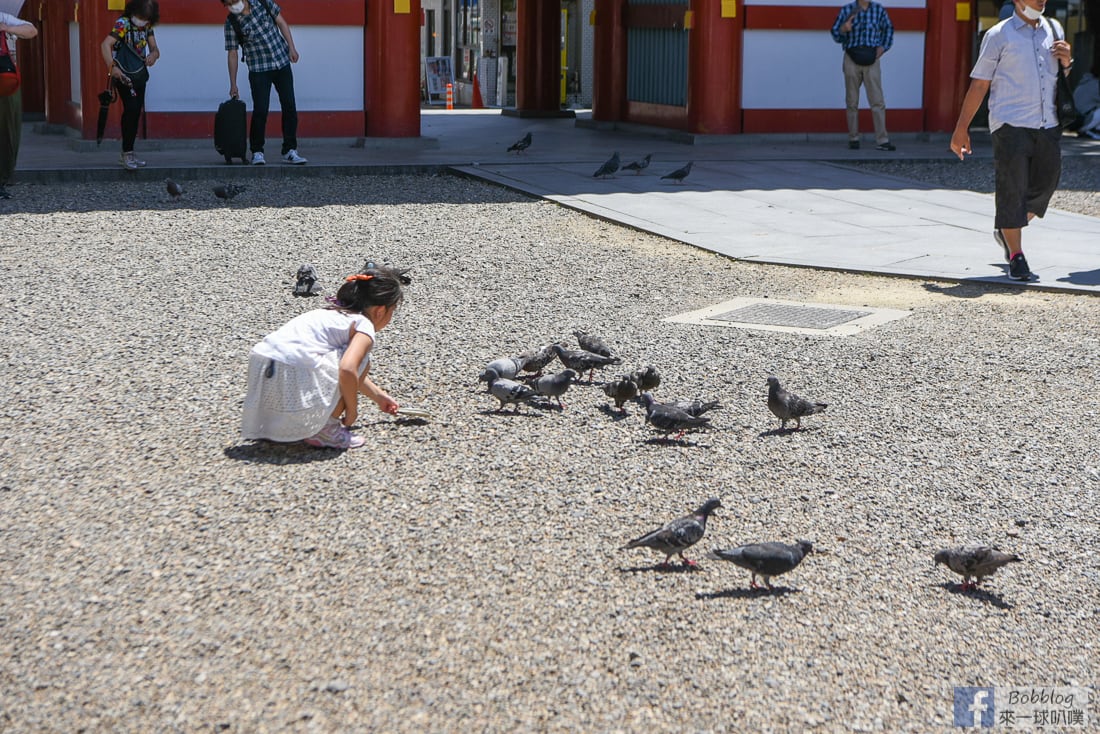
257,28
864,30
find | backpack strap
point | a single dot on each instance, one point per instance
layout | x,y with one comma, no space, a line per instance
236,23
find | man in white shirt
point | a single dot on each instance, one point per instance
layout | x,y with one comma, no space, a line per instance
1018,65
11,107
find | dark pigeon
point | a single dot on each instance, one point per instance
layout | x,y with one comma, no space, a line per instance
765,559
536,360
174,189
647,378
696,407
620,390
228,191
592,343
509,391
582,361
680,173
306,281
520,145
788,406
675,537
609,167
669,418
554,386
638,166
977,561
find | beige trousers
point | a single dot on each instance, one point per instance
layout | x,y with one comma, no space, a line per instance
871,79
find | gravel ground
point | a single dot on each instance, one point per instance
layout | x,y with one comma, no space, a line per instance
160,575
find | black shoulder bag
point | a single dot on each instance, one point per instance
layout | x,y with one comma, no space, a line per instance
1063,95
130,61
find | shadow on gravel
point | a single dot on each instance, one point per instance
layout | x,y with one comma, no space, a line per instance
510,413
660,568
267,452
787,431
978,594
1083,277
662,441
612,413
747,593
971,289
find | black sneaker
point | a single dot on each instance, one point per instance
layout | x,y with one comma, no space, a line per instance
999,236
1017,267
853,144
886,146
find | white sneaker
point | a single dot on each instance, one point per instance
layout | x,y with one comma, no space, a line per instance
293,158
258,159
130,161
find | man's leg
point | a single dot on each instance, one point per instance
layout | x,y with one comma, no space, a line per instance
11,131
872,80
260,84
284,86
852,78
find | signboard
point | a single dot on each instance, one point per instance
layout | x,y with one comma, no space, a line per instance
439,72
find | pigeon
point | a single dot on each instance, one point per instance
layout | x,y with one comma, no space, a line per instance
535,360
788,406
504,367
647,378
638,166
581,360
680,173
669,418
608,168
554,386
306,283
765,559
509,391
174,189
520,145
675,537
978,561
227,191
620,391
696,407
592,343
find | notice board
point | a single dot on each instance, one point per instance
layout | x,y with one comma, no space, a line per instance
439,72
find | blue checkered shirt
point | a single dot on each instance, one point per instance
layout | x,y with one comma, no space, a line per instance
871,27
264,48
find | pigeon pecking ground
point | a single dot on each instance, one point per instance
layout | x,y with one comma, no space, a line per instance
161,575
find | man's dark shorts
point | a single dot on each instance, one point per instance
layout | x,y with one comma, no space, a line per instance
1028,164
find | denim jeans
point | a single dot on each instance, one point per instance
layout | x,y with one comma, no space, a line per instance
261,82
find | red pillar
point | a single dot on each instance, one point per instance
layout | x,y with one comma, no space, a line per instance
714,70
538,57
609,70
948,45
95,22
391,50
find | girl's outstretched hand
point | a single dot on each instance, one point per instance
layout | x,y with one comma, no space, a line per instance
386,404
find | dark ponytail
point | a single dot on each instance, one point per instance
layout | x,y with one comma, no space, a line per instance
377,285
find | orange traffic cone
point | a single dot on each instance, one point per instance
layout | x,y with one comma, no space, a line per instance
478,103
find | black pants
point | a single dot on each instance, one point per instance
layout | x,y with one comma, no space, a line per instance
1028,164
260,82
131,111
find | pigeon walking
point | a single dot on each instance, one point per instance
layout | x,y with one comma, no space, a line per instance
227,191
509,391
520,145
765,559
621,390
669,418
554,386
680,173
504,367
696,407
675,537
974,561
174,189
609,167
536,360
583,361
592,343
638,166
647,378
788,406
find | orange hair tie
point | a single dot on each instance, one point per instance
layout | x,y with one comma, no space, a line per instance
359,276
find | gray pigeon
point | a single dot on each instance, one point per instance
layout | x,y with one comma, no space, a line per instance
647,378
788,406
536,360
174,189
977,561
554,386
227,191
621,390
669,418
509,391
520,145
765,559
609,167
306,281
680,173
504,367
696,407
638,166
592,343
675,537
581,360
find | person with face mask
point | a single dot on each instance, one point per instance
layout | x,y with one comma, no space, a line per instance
1017,66
258,30
134,31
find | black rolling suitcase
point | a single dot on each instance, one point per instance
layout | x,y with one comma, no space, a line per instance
230,130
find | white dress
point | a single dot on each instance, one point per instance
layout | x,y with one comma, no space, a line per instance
293,375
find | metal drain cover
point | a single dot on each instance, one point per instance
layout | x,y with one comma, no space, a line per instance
769,314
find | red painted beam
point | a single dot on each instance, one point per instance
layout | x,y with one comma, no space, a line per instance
298,12
790,18
826,120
